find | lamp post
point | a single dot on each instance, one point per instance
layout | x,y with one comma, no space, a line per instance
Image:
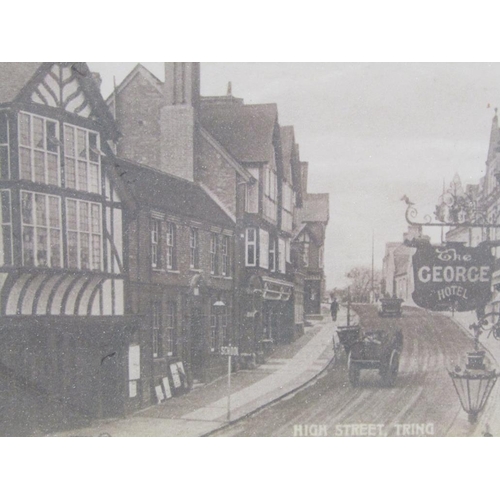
473,384
226,350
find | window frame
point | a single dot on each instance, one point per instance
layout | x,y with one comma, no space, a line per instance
194,248
170,245
226,256
171,328
36,228
214,254
77,159
6,227
91,233
33,149
5,173
155,241
249,244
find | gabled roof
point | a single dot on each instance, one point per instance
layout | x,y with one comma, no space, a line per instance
17,80
246,131
165,192
139,69
13,78
316,208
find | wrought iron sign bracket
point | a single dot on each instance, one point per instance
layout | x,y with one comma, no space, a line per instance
412,214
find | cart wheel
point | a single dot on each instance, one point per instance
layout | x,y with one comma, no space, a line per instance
391,371
354,371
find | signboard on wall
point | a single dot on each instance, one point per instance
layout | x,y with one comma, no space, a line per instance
452,276
134,362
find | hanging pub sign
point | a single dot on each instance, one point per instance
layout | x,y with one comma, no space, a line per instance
452,276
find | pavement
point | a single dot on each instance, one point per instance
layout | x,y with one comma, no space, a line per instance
204,410
489,419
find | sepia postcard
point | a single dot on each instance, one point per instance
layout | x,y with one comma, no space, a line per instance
249,249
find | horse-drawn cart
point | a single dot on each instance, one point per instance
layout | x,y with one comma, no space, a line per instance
376,350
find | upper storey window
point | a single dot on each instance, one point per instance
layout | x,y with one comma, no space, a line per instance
82,159
38,149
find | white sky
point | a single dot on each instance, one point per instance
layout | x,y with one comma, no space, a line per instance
371,133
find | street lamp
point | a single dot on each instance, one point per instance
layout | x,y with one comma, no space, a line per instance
473,384
226,350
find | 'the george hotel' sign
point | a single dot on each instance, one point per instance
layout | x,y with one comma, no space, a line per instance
452,276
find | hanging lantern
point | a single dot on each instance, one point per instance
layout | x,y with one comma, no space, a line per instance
474,384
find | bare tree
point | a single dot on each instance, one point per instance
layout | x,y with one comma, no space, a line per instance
361,283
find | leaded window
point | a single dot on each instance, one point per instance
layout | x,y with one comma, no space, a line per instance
38,149
84,234
41,229
82,159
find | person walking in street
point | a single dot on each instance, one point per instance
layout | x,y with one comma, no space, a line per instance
334,309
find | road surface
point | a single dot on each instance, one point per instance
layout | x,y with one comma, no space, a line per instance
422,402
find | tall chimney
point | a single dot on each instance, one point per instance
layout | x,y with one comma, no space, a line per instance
181,97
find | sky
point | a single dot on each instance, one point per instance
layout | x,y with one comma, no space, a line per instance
371,132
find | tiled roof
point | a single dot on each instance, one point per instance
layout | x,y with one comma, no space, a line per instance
316,208
14,76
246,131
164,192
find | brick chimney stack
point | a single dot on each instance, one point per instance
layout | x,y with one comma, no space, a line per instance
178,117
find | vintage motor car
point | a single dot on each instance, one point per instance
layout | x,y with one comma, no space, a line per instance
390,307
376,350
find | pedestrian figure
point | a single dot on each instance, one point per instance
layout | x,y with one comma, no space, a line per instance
334,308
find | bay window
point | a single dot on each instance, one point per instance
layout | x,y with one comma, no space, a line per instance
38,149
